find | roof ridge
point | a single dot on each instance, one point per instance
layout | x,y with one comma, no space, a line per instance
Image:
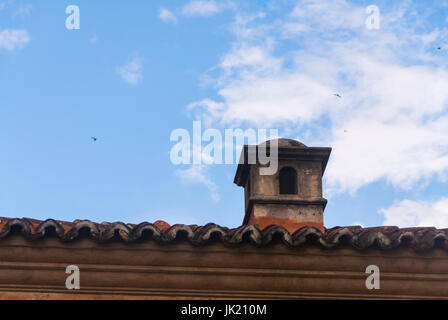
385,238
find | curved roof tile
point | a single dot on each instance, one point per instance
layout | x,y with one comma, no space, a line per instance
386,237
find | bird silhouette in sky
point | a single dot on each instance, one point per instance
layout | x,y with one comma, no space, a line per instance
337,95
93,138
438,48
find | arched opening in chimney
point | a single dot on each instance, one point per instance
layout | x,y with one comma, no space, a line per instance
288,180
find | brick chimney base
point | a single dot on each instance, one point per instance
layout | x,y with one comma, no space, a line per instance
290,217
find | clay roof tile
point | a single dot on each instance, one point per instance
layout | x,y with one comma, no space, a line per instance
384,237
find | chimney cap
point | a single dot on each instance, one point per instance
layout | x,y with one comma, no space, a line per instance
284,143
287,149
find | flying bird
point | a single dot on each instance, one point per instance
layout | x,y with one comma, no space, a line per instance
93,138
438,48
337,95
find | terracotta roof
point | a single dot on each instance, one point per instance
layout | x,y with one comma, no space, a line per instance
386,238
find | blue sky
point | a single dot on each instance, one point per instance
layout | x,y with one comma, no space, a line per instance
136,71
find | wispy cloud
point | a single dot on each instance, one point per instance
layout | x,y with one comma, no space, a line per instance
203,8
16,9
167,16
409,213
12,39
93,40
131,71
199,174
392,120
22,10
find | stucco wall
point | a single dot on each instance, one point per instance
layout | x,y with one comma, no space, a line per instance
36,269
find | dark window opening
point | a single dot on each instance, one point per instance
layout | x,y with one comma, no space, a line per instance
288,180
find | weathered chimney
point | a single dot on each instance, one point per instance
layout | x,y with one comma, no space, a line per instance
292,196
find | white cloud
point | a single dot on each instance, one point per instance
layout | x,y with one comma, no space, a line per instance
203,8
199,174
256,57
392,120
408,213
11,39
167,16
131,71
324,16
294,28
